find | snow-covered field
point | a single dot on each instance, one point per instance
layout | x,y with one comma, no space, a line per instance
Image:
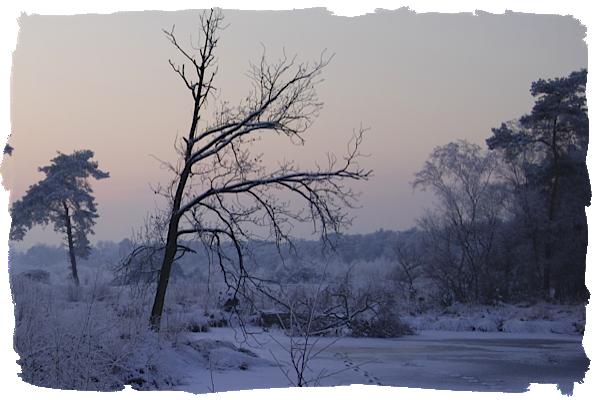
96,338
472,361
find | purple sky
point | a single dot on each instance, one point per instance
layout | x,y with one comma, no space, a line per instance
103,82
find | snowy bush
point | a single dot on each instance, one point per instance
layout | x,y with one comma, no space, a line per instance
537,318
37,275
383,325
68,338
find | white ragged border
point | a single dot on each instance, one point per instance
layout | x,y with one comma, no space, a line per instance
12,387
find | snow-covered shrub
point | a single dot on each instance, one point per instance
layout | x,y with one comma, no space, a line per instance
380,317
464,324
37,275
70,339
382,325
536,318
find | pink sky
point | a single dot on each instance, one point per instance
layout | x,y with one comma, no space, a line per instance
103,82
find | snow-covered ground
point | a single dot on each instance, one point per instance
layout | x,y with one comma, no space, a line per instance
472,361
95,338
539,318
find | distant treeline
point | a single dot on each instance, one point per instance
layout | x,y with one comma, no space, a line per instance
380,244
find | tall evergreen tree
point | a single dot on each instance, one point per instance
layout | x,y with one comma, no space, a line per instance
64,198
555,136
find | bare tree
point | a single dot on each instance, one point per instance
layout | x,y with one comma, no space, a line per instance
309,315
460,234
409,260
302,347
221,192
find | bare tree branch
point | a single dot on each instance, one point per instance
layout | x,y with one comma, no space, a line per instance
221,192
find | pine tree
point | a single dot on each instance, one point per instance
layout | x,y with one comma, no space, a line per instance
63,198
555,136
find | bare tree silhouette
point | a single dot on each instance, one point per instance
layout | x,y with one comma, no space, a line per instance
221,192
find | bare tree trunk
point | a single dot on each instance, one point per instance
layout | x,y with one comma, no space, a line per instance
208,283
548,251
170,252
163,280
71,247
172,234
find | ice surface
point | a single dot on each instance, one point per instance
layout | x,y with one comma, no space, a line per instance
473,361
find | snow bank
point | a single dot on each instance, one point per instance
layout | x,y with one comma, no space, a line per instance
537,318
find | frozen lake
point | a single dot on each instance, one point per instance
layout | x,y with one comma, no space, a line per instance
471,361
